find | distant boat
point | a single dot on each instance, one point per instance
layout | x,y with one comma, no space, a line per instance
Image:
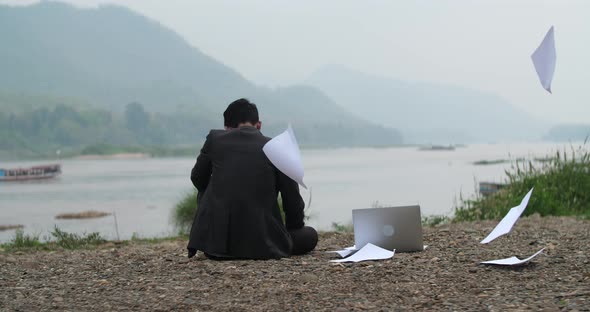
30,173
437,148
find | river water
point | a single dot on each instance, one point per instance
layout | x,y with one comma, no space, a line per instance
142,192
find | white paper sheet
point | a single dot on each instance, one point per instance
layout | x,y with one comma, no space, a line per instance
345,252
512,260
369,252
544,60
284,153
508,221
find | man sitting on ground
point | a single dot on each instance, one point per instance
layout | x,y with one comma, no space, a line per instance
238,216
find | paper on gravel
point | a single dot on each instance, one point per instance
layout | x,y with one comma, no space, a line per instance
544,60
283,151
369,252
345,252
350,250
512,260
508,221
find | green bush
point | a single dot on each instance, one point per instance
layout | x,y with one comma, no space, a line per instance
22,240
339,227
61,239
184,212
435,220
561,189
75,241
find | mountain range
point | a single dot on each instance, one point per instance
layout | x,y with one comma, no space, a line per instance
427,112
110,56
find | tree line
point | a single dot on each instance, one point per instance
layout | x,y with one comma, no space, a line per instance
67,127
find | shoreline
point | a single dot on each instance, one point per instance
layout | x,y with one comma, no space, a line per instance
113,156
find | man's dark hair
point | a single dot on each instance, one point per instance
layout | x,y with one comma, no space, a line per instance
240,111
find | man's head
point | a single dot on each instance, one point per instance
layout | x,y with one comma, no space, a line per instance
241,113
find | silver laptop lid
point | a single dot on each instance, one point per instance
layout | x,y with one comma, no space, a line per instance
398,228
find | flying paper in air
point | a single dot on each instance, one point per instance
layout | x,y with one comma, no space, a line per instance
508,221
283,152
544,60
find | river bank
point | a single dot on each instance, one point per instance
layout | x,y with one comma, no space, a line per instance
446,276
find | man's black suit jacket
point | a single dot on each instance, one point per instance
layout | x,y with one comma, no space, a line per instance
238,213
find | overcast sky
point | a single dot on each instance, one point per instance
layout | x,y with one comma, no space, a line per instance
484,45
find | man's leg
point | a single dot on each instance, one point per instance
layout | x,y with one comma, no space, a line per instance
304,240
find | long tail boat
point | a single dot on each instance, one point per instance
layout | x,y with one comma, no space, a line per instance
30,173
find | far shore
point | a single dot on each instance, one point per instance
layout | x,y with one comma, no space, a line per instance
114,156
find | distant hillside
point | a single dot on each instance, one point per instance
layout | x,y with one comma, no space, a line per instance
568,132
424,112
110,56
23,102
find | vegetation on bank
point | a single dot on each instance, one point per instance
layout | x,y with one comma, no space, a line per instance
58,239
41,131
561,185
184,212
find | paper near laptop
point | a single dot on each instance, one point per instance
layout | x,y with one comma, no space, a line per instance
368,252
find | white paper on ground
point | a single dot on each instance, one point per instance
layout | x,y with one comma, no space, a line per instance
284,153
369,252
345,252
512,260
544,60
508,221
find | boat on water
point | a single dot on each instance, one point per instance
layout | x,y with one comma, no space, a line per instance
437,148
30,173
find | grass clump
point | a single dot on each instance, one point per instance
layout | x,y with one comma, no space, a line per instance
344,228
22,241
561,189
184,212
74,241
435,220
59,238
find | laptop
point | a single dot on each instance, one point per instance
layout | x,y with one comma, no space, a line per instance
398,228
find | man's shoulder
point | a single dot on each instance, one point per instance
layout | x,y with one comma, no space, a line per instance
265,138
215,133
237,134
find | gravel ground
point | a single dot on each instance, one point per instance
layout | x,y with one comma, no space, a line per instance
446,276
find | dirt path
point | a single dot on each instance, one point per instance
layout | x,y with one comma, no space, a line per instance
447,276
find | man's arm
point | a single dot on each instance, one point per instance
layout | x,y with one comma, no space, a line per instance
293,204
201,173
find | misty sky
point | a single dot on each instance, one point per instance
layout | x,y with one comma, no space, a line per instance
484,45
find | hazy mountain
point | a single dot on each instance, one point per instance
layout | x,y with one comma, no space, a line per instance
568,132
425,112
111,56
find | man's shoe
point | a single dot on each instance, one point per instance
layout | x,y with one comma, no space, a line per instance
191,252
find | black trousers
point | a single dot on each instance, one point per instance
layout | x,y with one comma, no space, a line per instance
304,240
